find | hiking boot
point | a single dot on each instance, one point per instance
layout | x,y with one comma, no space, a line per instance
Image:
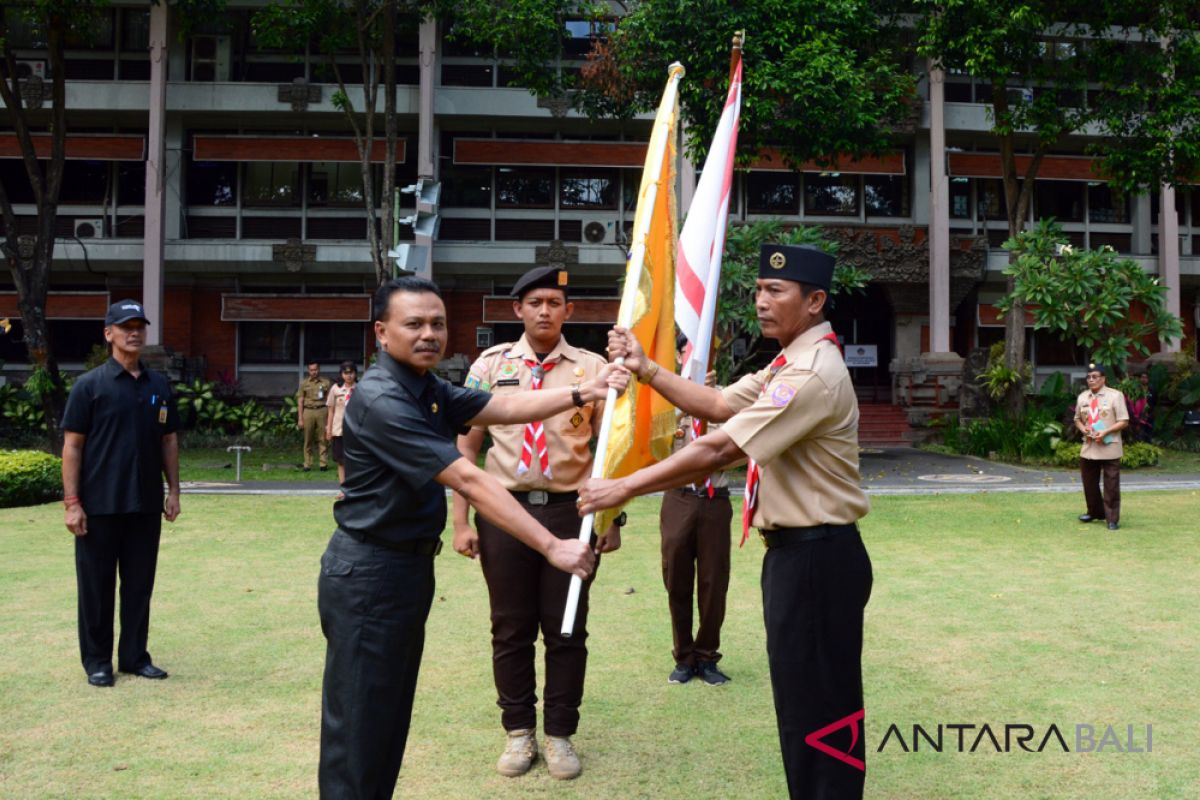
708,672
561,759
681,674
519,753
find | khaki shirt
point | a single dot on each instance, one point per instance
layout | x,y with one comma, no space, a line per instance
313,391
502,370
683,437
1110,408
803,432
338,395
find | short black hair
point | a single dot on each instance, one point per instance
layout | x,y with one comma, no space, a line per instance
409,283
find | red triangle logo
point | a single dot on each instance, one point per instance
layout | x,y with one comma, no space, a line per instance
814,739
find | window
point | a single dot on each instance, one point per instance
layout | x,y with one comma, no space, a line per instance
269,342
886,195
335,184
331,342
591,190
990,201
131,183
16,180
524,187
466,187
72,339
631,182
211,183
1105,205
831,194
960,198
1062,200
772,193
84,182
271,183
135,30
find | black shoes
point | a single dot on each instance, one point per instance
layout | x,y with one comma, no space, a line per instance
1086,518
1112,526
708,672
102,677
148,671
681,674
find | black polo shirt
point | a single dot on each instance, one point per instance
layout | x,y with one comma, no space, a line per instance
399,431
123,420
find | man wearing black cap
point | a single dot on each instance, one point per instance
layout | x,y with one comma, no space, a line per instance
119,443
1100,416
541,464
797,422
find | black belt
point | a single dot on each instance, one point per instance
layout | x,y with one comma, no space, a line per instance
419,547
782,537
540,497
313,408
721,491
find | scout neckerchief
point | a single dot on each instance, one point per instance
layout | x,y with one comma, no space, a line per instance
753,470
1094,411
708,484
535,432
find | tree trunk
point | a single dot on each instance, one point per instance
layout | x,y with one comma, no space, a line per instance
387,204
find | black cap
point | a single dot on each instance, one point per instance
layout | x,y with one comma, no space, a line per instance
123,311
540,278
1094,367
802,263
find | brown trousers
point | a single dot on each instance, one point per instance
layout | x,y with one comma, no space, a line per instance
1108,505
695,548
527,592
314,434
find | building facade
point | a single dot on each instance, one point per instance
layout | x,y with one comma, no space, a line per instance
216,180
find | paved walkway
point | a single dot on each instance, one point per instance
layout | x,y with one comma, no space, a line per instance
885,471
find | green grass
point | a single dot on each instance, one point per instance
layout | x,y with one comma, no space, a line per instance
987,608
262,463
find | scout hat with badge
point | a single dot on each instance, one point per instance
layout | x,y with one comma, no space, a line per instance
540,278
802,263
1094,366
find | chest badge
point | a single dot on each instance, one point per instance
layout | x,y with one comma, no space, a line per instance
162,416
434,408
576,420
578,372
508,370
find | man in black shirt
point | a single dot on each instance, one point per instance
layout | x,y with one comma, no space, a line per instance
376,584
119,441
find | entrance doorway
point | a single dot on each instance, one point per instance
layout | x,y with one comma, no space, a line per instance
864,323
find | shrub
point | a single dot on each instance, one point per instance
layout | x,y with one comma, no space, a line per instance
1134,455
29,477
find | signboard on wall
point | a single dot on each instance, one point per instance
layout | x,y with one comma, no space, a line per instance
862,355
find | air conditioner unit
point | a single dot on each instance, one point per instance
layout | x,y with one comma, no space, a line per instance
31,69
597,232
89,228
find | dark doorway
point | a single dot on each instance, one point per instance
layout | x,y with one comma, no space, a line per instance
863,320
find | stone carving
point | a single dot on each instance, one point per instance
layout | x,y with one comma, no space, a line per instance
556,255
973,399
299,93
558,106
34,92
294,255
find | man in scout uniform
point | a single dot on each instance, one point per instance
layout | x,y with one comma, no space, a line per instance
542,464
694,523
1100,416
311,400
797,422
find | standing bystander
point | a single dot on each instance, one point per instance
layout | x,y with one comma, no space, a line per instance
1100,416
310,414
339,395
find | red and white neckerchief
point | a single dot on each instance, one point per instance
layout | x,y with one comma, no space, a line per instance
708,484
753,470
535,432
1094,411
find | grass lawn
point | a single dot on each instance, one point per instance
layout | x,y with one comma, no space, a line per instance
262,463
986,609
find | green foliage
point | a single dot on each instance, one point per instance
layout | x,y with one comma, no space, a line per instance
998,377
821,77
96,356
1087,297
29,477
1133,454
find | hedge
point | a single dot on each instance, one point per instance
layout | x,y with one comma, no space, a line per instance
1134,454
29,477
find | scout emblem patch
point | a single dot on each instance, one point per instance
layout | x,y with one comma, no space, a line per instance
781,395
472,382
576,420
777,260
508,370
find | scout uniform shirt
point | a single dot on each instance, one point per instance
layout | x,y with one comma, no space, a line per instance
338,395
683,437
503,370
1109,409
801,426
312,392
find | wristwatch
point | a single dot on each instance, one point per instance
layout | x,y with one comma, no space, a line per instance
621,519
576,396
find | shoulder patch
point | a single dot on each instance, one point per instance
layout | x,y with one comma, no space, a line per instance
782,394
472,381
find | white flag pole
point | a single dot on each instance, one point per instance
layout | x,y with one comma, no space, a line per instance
633,276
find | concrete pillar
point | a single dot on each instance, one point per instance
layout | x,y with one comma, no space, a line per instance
1168,256
939,218
426,130
152,256
1141,224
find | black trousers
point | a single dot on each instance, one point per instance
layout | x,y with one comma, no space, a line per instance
373,604
1108,504
125,545
695,551
814,594
526,593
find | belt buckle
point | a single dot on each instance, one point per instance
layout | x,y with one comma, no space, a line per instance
538,497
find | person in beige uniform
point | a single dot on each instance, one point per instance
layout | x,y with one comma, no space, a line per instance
310,414
1100,416
339,395
542,464
797,422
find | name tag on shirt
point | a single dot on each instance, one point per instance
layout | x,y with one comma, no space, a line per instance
511,382
162,416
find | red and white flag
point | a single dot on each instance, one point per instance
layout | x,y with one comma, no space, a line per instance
702,242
